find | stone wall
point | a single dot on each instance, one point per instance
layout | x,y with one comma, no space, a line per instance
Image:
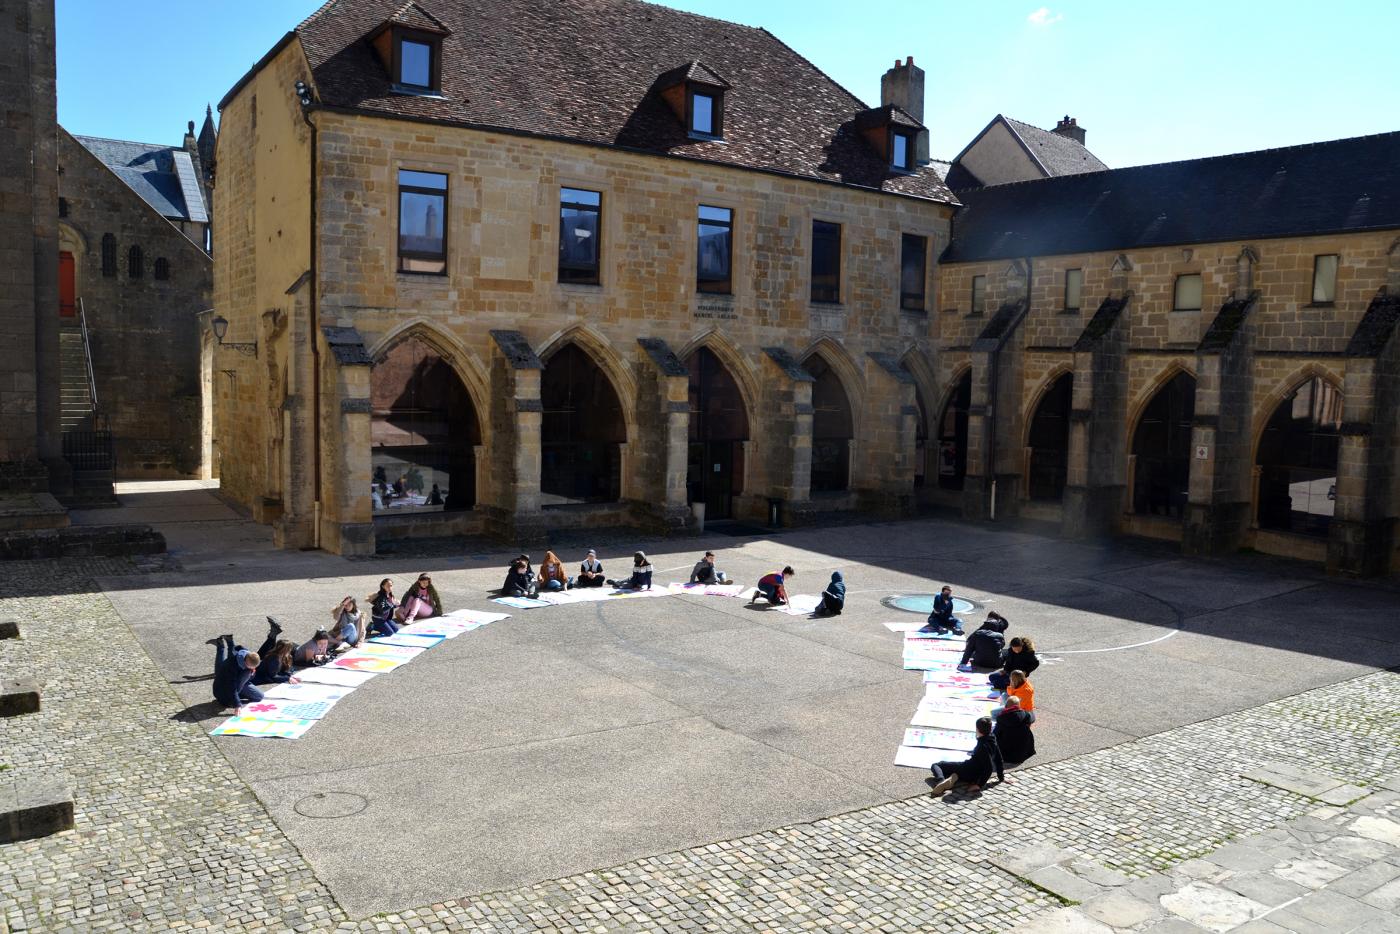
144,331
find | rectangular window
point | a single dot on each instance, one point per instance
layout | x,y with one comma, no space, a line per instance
579,213
1324,279
979,294
826,262
913,271
1074,284
714,250
422,222
901,151
416,64
702,114
1188,293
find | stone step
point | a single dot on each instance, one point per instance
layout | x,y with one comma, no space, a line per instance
18,697
9,629
34,806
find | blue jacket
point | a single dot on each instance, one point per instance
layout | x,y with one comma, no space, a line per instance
232,677
837,588
942,609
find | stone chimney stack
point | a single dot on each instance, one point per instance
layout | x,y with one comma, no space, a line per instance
903,86
1070,127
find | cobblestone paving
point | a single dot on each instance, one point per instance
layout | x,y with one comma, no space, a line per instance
168,838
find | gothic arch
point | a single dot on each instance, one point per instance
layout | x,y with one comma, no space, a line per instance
1149,392
917,366
593,343
1046,384
462,361
1047,467
839,359
1264,409
734,361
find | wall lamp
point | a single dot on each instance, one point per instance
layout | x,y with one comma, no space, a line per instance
220,326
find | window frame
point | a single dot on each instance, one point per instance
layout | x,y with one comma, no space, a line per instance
977,300
597,268
161,269
109,256
1079,298
701,286
835,290
716,96
434,44
909,139
135,262
1336,267
904,296
1176,291
442,193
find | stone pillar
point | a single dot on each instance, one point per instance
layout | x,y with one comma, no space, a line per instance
289,498
782,448
1218,505
662,448
347,511
993,445
513,511
883,474
1096,480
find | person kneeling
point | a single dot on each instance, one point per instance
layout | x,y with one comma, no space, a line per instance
834,596
773,587
977,768
1013,732
985,644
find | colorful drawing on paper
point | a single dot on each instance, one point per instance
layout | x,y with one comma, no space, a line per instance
271,709
708,590
916,757
942,721
262,728
307,692
409,639
340,677
389,651
919,643
915,635
435,628
520,603
953,740
939,703
354,661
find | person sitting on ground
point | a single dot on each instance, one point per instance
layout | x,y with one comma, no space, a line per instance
233,674
941,620
520,580
834,596
977,768
1020,687
641,574
773,587
705,571
590,572
316,651
1019,656
275,666
421,601
381,610
348,631
552,576
1013,732
434,497
985,645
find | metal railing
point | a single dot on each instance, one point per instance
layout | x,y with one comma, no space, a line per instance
87,356
89,449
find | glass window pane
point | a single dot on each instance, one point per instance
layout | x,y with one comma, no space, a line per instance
413,179
979,291
415,63
420,223
1074,282
578,244
713,249
580,196
702,113
1325,278
826,262
901,151
912,271
708,213
1188,293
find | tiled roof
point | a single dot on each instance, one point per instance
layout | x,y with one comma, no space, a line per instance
415,17
151,171
1331,187
1060,155
692,71
586,70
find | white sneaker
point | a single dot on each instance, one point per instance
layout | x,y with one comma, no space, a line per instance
945,786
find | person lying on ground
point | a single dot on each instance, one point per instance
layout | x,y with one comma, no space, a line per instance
520,580
421,601
641,574
984,646
705,571
233,674
942,620
316,651
590,572
1013,731
381,610
1019,686
977,768
773,587
552,576
1019,656
276,654
348,630
834,596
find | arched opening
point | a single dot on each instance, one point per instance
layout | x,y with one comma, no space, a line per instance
952,435
1049,441
1162,450
582,431
921,447
423,431
719,426
832,428
1297,460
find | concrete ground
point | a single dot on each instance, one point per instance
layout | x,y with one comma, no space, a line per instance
571,738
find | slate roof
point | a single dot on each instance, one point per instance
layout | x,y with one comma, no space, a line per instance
1060,155
1339,186
586,70
154,173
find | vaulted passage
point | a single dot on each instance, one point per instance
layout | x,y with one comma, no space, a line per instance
719,424
1162,450
1297,460
831,429
422,433
1049,442
582,431
952,435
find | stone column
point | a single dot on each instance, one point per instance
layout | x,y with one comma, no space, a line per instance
883,473
662,448
993,445
513,512
783,441
1098,412
289,498
347,512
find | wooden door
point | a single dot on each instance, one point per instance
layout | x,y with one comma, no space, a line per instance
67,286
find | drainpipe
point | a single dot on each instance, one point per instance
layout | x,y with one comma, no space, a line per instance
304,94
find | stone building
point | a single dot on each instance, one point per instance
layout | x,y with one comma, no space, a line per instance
1201,351
493,277
1011,151
134,277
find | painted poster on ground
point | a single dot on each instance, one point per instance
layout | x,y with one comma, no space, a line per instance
520,603
307,691
275,709
937,719
941,703
436,627
412,640
340,677
481,617
801,604
389,651
355,661
917,757
952,740
262,728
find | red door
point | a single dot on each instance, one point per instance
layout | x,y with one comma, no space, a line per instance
67,289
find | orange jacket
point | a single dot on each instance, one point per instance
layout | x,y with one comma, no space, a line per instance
1026,693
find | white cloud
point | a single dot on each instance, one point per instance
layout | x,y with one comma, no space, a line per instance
1044,17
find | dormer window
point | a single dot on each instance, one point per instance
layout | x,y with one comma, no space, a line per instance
695,94
409,43
902,151
416,60
704,113
894,135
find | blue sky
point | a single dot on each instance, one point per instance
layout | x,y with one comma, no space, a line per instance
1151,82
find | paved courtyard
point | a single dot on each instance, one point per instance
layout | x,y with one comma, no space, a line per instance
678,763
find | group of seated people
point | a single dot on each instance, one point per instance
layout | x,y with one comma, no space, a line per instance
238,671
523,581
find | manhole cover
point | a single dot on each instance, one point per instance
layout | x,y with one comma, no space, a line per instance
330,804
324,580
923,603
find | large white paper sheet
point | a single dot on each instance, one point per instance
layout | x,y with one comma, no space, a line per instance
477,616
942,703
307,691
379,650
274,709
364,661
709,590
437,627
950,740
340,677
412,640
903,627
801,604
939,720
262,728
917,757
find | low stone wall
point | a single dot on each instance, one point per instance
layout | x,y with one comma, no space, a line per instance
81,542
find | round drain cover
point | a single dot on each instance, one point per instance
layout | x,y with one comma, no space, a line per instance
923,603
331,804
324,580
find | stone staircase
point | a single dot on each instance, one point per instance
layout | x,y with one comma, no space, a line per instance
87,446
75,397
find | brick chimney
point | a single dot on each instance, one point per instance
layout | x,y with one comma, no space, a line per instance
1070,127
903,86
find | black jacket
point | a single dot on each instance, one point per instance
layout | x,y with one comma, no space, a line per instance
985,645
1023,660
1014,734
517,582
984,759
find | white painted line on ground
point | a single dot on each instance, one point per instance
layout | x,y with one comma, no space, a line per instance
1116,648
